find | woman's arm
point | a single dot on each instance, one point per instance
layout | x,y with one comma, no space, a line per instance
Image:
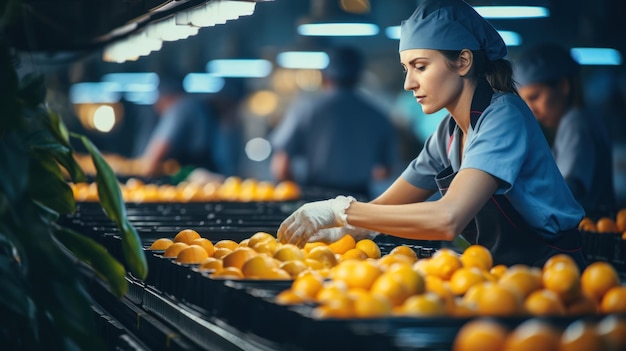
442,219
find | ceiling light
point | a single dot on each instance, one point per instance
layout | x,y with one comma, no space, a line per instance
215,12
393,32
239,68
504,12
202,83
338,29
94,92
169,30
597,56
133,82
302,59
510,38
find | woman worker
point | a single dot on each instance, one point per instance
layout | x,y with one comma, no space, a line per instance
548,80
489,158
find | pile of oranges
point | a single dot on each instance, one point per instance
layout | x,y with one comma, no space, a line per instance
231,189
536,334
606,224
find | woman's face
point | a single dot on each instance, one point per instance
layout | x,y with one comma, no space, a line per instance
547,103
429,76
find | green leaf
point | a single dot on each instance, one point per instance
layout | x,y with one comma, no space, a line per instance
47,186
14,165
108,187
113,204
461,243
96,256
133,251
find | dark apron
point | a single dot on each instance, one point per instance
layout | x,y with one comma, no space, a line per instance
502,230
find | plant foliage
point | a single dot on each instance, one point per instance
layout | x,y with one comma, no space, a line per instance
44,300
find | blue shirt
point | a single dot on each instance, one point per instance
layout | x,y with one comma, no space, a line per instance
191,131
582,151
341,137
507,143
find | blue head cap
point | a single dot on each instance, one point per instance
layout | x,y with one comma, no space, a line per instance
450,25
542,64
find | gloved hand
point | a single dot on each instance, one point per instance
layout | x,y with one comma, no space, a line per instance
313,217
330,235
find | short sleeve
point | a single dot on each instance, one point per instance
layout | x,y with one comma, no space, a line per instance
574,149
498,143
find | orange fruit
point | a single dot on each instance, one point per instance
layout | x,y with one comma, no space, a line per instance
522,279
309,246
423,305
206,244
353,254
498,270
173,250
480,334
244,242
371,249
620,220
289,252
369,305
391,287
587,225
614,301
342,245
161,244
496,300
263,243
227,273
211,264
464,278
544,302
563,279
598,278
307,285
193,254
443,264
404,250
477,256
258,266
356,274
324,255
559,258
259,237
294,267
220,252
533,335
186,236
341,306
330,290
286,190
612,330
388,260
580,335
238,257
412,279
289,297
227,244
606,225
438,286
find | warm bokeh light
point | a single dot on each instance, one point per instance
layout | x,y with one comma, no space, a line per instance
104,118
263,103
309,79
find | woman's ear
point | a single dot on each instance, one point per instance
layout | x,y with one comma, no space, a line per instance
464,62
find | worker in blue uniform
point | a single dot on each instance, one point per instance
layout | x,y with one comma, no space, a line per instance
343,141
500,185
548,80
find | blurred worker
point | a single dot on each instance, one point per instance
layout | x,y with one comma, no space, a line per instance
186,130
488,158
549,81
344,141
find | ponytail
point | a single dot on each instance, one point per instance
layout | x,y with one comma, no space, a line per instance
498,73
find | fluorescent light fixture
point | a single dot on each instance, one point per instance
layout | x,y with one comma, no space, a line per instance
216,12
202,83
504,12
88,92
597,56
393,32
240,68
142,97
168,30
133,82
302,59
510,38
338,29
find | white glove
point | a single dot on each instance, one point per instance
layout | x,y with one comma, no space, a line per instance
313,217
330,235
